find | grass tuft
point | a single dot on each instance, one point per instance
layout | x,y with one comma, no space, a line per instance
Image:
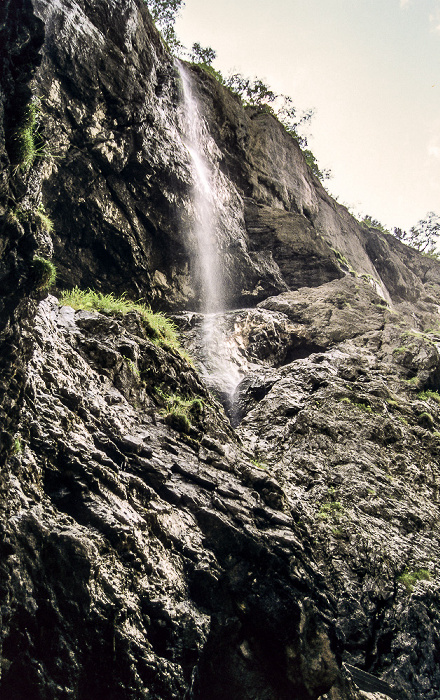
179,411
43,219
425,395
160,329
331,509
410,578
38,215
426,420
26,136
17,446
44,273
258,464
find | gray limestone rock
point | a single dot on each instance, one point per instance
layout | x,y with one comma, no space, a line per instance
147,556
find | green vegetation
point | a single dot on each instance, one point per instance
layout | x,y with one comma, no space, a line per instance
433,254
44,273
424,236
321,174
369,222
17,447
202,56
426,420
412,381
426,395
331,509
253,92
258,464
365,407
164,14
341,258
211,71
180,411
368,278
26,137
392,402
337,533
160,329
132,366
12,216
410,578
38,215
357,404
43,219
419,335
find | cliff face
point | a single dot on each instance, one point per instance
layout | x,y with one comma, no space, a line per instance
143,556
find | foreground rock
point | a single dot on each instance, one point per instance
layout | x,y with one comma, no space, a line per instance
141,561
339,405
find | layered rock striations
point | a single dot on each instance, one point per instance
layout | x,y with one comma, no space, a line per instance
292,554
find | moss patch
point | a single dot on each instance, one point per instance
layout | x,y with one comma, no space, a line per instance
410,578
44,273
426,395
180,411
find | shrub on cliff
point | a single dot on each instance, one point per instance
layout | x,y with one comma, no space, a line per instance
164,13
424,236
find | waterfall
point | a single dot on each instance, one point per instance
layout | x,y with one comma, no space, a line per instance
208,267
210,201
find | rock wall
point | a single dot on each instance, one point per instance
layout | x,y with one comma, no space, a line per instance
142,556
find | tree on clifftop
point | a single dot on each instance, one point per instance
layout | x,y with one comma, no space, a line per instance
204,55
164,14
424,236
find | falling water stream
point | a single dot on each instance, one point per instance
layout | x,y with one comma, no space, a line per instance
220,372
203,200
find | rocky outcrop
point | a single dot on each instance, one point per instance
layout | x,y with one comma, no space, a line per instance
148,548
353,439
142,561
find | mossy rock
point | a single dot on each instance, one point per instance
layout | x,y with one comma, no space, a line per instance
178,420
43,273
425,420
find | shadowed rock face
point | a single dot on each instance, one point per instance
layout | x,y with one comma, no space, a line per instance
143,561
143,555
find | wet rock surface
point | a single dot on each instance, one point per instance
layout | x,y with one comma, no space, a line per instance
350,438
140,561
143,555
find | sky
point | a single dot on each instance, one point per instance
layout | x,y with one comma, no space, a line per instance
370,70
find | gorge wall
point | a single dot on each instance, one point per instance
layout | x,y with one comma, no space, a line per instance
143,557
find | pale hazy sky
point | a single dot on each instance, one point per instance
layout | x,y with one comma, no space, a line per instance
371,71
